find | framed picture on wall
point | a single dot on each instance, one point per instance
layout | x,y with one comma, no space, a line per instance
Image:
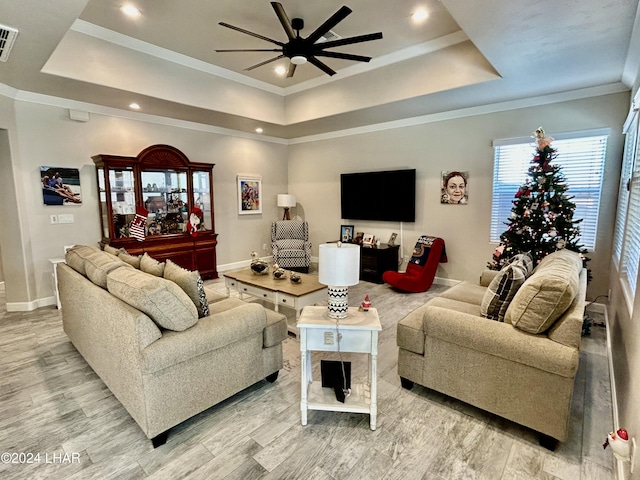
60,186
455,188
249,194
346,233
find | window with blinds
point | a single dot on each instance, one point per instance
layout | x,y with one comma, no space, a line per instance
625,179
581,156
631,242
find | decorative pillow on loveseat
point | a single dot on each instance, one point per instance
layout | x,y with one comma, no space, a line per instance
133,260
191,283
547,294
164,301
148,264
504,286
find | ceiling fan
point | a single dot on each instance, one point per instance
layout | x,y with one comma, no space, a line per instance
301,50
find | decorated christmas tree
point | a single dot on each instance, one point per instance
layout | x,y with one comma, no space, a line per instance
541,219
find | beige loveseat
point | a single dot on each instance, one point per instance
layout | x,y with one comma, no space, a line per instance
521,369
163,376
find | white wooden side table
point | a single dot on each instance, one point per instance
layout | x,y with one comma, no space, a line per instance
358,333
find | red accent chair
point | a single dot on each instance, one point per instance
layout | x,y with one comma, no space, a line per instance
421,270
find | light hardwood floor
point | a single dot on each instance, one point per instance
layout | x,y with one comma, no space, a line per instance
53,404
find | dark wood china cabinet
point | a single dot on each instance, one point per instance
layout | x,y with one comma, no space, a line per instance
163,181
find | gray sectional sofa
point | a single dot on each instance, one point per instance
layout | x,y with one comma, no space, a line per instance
141,334
523,368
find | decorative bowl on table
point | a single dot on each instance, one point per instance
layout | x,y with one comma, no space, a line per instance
278,272
258,267
295,278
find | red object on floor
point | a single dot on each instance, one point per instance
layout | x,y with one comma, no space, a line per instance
422,267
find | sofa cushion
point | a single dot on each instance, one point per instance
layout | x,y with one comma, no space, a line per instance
148,264
547,293
133,260
162,300
76,256
113,250
191,283
466,291
504,286
99,264
290,244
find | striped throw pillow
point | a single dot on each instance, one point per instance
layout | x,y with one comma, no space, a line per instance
504,286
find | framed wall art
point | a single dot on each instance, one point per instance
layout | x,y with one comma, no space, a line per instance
60,186
454,189
249,194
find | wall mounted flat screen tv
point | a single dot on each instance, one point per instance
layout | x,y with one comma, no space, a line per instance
387,196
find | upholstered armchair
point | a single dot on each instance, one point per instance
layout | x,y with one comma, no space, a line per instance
291,246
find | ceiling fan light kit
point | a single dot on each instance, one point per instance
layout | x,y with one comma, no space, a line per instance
301,50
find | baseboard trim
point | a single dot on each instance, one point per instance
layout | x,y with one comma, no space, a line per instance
227,267
30,306
449,282
619,469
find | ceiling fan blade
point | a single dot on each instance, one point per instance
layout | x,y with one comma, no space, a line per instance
321,66
263,63
292,69
348,41
331,22
344,56
251,50
242,30
284,20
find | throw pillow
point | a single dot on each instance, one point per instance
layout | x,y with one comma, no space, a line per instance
75,257
191,283
163,301
148,264
98,266
133,260
114,251
547,294
503,288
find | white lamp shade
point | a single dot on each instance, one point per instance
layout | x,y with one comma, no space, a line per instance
286,200
339,264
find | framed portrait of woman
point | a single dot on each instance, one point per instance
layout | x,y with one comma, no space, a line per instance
454,188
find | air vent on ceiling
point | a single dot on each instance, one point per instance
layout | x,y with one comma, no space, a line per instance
7,37
329,37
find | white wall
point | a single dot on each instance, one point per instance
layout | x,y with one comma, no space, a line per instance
46,136
460,144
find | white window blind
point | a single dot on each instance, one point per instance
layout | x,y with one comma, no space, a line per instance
581,156
631,243
623,192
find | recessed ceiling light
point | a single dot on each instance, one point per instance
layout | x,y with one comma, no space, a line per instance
259,130
420,15
130,10
134,106
280,70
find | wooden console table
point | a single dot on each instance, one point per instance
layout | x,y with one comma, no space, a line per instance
374,261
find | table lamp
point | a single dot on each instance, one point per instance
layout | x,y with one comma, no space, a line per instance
338,268
287,201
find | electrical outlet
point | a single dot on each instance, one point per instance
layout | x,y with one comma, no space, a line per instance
264,247
54,219
65,218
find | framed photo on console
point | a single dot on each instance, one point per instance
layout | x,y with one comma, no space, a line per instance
368,240
346,233
392,239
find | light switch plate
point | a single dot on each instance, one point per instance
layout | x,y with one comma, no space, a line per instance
54,219
65,218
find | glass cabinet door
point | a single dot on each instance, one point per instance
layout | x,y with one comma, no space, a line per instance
164,195
202,198
123,200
